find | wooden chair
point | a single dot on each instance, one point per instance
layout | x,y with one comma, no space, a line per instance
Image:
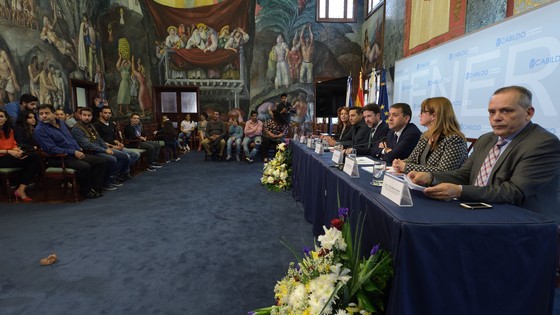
5,175
57,174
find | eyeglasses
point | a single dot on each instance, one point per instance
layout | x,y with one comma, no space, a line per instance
425,112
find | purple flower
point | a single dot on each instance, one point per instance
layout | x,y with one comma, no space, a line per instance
251,313
374,250
343,212
297,266
307,251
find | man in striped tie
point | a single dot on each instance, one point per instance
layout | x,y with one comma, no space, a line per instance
518,163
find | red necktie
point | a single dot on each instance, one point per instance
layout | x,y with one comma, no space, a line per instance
491,158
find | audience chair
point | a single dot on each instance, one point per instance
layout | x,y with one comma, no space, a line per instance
57,174
5,175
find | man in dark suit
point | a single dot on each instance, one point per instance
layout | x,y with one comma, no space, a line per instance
358,129
377,130
403,136
518,163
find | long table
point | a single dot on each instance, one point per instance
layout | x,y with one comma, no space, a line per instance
447,260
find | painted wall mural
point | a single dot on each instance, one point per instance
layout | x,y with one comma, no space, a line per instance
292,51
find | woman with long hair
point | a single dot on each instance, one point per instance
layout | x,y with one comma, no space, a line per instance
342,126
23,130
11,156
274,131
443,146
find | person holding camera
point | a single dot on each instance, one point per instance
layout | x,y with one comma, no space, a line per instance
12,156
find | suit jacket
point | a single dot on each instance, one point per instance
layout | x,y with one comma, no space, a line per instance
379,135
360,133
406,143
449,155
526,174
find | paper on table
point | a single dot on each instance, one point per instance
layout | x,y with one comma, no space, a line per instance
362,160
412,185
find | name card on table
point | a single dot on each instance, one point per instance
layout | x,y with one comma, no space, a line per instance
396,190
338,156
351,167
310,143
296,138
319,148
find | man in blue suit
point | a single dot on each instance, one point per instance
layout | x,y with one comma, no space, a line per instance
403,136
518,163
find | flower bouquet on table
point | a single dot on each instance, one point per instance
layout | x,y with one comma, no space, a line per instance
333,278
277,174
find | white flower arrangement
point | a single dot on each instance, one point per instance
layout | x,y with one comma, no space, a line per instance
277,173
332,279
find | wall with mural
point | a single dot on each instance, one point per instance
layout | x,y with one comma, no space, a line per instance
242,60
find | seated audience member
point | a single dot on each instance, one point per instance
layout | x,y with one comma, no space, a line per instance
187,127
275,129
215,134
442,147
90,142
518,163
72,119
23,131
133,133
378,130
202,129
106,128
253,133
13,156
26,102
403,136
359,131
343,127
54,138
168,135
235,135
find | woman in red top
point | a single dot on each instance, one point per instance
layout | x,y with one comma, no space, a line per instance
12,156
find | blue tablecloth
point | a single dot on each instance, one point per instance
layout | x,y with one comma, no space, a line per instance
447,260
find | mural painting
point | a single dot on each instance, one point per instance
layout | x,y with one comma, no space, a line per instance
291,52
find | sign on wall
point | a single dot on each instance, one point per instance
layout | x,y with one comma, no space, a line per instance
524,50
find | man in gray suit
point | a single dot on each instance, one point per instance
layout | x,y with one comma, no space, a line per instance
518,163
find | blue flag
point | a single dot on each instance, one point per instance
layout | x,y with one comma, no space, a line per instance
383,101
348,102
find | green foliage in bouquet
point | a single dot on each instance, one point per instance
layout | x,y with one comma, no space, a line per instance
333,278
277,174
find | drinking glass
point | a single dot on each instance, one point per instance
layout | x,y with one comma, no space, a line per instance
378,173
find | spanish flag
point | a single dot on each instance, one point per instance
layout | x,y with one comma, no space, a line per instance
360,95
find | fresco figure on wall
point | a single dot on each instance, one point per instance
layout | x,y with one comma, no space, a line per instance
17,12
281,51
123,95
99,80
89,48
59,96
172,40
30,15
46,84
195,41
300,105
8,80
5,10
34,70
133,88
209,36
48,35
306,72
237,38
144,98
295,58
271,66
371,52
223,36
